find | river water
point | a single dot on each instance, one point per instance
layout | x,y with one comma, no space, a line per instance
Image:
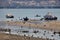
30,13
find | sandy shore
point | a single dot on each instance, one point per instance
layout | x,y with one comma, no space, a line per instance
50,25
15,37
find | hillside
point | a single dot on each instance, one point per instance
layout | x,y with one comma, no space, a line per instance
29,3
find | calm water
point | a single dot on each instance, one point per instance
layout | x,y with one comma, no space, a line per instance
28,12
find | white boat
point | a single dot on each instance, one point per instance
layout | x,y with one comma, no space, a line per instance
9,16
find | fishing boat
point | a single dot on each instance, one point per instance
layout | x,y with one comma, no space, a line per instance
26,19
9,16
49,16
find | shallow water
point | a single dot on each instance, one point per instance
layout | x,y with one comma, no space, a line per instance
42,33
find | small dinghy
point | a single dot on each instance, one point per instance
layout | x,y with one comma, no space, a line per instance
9,16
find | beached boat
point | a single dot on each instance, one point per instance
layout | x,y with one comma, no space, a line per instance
49,16
9,16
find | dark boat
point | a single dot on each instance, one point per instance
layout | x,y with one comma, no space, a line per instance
26,19
9,16
35,31
50,17
25,31
37,15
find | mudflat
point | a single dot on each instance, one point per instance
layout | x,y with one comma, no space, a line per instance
50,25
4,36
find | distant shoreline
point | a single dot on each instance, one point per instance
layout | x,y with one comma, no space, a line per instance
30,7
